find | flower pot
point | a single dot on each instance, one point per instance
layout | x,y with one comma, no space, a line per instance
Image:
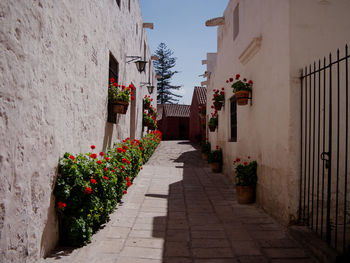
245,194
242,97
212,128
217,105
215,167
205,156
120,107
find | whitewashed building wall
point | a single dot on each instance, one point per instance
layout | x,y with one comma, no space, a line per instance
54,70
276,38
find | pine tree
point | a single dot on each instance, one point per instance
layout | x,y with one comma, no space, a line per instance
163,68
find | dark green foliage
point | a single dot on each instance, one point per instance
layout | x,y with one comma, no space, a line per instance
89,187
246,174
215,156
163,68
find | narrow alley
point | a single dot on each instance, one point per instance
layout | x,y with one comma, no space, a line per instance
178,211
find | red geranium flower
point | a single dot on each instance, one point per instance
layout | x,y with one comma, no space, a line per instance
248,157
99,162
112,171
119,150
125,192
105,177
141,168
107,158
124,160
250,82
128,184
93,155
127,178
92,147
88,190
226,81
141,148
71,157
61,205
231,79
93,181
237,76
132,98
102,153
237,159
245,163
106,169
245,80
112,80
217,147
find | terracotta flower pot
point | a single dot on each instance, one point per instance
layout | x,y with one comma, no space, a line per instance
217,105
245,194
120,107
212,128
205,156
215,167
242,97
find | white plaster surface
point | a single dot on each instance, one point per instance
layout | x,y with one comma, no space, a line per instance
54,60
294,34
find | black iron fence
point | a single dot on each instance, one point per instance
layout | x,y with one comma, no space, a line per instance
324,175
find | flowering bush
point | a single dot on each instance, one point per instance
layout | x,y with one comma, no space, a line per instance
147,100
120,92
90,185
153,111
240,84
219,96
215,156
246,174
149,120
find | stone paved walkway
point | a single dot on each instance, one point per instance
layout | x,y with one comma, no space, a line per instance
177,211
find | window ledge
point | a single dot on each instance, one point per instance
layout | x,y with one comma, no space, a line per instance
251,50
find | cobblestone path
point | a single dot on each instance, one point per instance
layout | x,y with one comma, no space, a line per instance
177,211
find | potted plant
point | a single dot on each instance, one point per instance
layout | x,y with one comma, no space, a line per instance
246,178
205,149
149,121
218,98
119,97
242,89
215,160
214,121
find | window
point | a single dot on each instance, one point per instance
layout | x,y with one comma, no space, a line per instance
233,111
118,2
235,22
113,68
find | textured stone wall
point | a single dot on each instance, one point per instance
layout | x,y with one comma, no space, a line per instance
53,98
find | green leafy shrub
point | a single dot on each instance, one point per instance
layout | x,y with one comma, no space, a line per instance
205,147
215,156
90,185
246,172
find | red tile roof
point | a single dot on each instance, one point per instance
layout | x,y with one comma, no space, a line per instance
201,94
176,110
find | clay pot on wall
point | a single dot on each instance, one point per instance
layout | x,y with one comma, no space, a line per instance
245,194
242,97
212,128
120,107
217,105
205,156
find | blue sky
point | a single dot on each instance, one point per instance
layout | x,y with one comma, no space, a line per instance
180,24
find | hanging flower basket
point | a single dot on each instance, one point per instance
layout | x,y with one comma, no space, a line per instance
120,107
242,97
217,105
212,127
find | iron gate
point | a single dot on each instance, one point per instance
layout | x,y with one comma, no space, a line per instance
324,204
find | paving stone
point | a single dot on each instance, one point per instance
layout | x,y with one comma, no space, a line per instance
144,242
216,260
245,248
208,234
178,260
136,260
284,252
141,252
118,232
177,249
212,253
178,235
110,246
253,259
210,243
147,234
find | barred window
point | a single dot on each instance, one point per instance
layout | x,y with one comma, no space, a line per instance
113,68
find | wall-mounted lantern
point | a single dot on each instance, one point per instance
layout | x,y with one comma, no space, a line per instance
140,64
150,89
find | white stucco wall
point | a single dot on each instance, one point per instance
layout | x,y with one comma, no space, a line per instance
53,98
293,33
